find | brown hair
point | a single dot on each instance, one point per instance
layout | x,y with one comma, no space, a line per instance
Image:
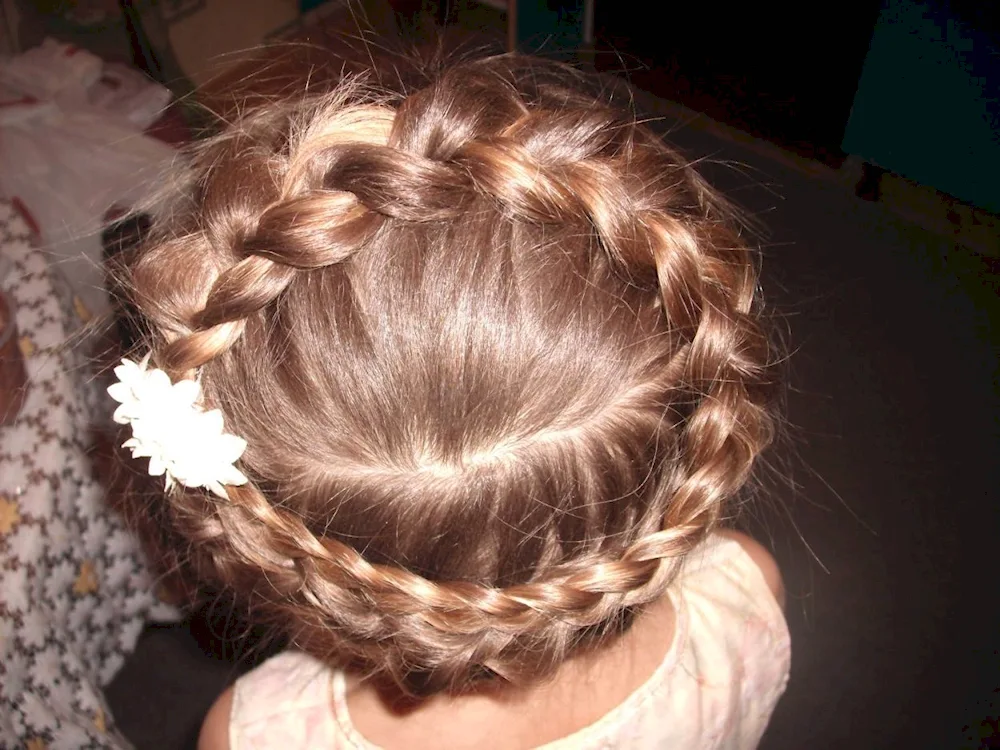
495,351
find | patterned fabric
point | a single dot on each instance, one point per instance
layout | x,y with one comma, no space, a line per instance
74,589
716,688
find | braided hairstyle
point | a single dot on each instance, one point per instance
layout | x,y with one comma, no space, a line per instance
496,353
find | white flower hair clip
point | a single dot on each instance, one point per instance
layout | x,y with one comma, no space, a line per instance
183,442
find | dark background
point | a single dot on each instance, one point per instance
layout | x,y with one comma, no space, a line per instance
783,71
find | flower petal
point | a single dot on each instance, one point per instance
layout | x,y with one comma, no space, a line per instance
230,447
187,392
120,392
158,379
213,422
156,466
232,475
127,370
218,489
184,443
143,450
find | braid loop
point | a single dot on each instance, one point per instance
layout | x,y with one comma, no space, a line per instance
534,369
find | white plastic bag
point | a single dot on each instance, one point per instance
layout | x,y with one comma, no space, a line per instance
50,69
69,169
70,159
126,93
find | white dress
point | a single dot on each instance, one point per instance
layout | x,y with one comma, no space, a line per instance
724,672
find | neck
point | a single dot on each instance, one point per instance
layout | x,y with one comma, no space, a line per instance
505,716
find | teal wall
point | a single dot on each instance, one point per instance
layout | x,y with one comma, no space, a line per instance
550,27
927,101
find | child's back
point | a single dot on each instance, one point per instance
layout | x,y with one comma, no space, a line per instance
494,352
702,668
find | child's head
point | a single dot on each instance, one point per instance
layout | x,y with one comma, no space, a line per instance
494,351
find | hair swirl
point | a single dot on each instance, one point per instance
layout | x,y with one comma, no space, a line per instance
495,350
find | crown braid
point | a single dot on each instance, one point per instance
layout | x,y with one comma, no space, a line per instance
491,543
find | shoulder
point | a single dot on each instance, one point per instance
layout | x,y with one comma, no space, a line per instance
762,558
215,729
285,702
730,590
734,652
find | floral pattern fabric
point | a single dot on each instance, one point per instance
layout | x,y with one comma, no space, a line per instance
75,591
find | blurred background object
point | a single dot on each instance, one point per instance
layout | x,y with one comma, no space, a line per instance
133,31
13,377
75,587
73,146
928,100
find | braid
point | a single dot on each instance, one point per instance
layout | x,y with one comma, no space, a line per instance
270,217
434,496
